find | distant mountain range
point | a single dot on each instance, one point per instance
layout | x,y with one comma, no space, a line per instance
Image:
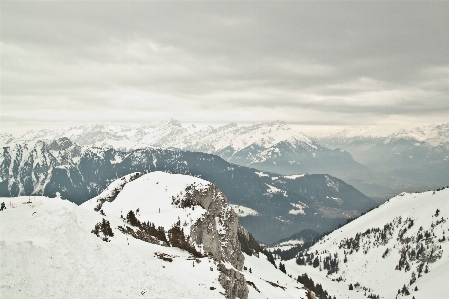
282,205
271,147
407,160
379,163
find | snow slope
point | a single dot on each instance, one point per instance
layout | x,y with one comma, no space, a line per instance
48,252
47,249
152,194
384,249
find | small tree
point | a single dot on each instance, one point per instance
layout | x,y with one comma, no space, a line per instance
104,228
132,219
282,267
351,287
316,262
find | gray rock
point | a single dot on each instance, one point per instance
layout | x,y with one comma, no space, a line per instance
217,229
233,282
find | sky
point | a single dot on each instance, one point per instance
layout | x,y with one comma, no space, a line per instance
309,64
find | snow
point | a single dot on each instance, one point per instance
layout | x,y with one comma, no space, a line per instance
272,189
368,267
262,272
152,195
243,211
49,252
293,176
298,210
432,135
286,245
47,249
354,132
172,134
261,174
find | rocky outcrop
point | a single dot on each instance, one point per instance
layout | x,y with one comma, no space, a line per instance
233,282
217,229
248,244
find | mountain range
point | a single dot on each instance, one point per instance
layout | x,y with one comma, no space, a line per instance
375,160
407,160
272,206
273,147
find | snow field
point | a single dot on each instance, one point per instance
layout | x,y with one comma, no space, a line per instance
53,254
243,211
263,271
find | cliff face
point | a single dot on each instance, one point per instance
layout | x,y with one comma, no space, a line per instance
217,229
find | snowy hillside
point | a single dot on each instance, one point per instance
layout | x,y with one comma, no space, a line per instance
52,248
397,249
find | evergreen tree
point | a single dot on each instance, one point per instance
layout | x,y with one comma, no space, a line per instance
282,267
132,219
316,262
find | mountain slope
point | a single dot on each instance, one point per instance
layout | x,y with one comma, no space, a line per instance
78,173
393,249
50,248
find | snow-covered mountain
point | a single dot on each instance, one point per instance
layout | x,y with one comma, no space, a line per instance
409,159
348,134
271,146
397,250
430,136
156,235
270,206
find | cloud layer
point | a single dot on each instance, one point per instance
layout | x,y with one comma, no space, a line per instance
307,63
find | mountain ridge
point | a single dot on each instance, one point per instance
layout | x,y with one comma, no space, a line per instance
61,168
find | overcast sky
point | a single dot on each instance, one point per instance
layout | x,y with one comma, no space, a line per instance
306,63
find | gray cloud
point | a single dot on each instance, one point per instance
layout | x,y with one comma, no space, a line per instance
322,63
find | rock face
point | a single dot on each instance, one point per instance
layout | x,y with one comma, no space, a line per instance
233,282
217,229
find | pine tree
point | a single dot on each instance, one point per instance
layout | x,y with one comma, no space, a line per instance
282,267
131,218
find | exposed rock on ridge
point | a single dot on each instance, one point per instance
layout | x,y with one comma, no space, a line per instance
217,229
233,282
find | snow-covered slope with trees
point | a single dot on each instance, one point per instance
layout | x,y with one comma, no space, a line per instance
52,248
397,249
